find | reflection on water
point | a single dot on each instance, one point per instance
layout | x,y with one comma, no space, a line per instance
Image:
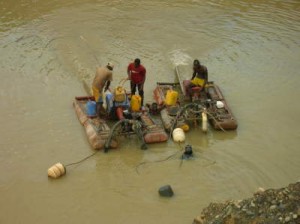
251,49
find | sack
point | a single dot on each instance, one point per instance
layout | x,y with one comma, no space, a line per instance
119,94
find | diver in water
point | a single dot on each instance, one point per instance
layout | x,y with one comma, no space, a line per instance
188,152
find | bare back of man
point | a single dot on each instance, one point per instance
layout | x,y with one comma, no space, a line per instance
101,81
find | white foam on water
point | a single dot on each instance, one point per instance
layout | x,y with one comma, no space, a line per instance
180,57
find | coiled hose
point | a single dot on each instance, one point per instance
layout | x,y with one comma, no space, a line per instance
136,126
181,111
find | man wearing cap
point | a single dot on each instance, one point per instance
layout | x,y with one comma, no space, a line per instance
137,76
102,80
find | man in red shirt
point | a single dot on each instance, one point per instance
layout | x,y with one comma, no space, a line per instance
137,76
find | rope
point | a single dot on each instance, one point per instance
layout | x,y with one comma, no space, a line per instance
122,81
180,164
85,158
157,161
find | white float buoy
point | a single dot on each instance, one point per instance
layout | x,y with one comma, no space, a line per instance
56,170
178,135
204,121
220,104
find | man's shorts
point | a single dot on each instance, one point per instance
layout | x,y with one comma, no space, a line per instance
97,95
198,82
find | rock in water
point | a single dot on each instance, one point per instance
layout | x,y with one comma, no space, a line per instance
166,191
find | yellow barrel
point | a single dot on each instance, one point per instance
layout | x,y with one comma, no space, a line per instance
56,170
119,94
171,97
135,103
178,135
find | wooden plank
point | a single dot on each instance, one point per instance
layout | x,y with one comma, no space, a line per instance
168,83
180,78
183,72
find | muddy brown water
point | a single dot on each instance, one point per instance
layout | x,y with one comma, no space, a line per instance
252,51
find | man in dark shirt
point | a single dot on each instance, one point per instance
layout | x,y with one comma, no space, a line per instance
200,74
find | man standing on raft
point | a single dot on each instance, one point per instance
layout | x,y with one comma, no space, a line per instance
102,80
137,76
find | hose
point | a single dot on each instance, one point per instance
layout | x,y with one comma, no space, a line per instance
192,105
160,160
137,127
138,130
180,112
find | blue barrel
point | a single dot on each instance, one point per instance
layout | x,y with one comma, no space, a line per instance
91,108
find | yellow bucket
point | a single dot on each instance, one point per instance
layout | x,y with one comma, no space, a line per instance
171,97
135,103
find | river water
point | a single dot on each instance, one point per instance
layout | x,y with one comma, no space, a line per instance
48,48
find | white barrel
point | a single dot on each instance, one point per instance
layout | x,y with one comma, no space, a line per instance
204,121
56,171
178,135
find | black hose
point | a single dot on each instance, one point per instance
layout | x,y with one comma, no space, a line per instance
180,112
139,133
111,134
137,129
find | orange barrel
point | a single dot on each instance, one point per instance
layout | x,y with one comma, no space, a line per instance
171,97
135,103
